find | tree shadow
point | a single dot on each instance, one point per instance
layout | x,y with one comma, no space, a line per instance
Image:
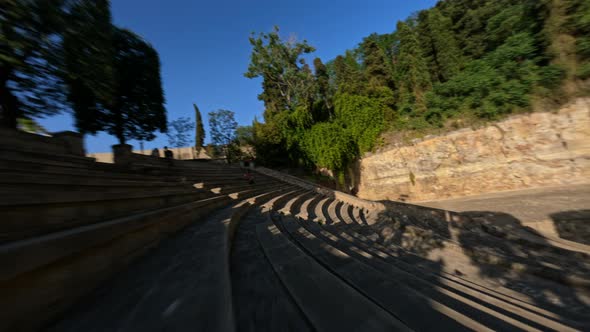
489,249
549,276
573,225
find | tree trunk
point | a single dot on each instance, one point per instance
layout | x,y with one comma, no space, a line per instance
119,125
8,101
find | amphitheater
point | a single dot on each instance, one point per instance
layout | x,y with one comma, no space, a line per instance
147,245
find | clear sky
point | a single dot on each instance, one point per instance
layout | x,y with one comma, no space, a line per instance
204,49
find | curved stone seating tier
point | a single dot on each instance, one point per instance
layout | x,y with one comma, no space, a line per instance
189,245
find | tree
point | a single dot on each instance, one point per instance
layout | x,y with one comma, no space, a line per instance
88,62
245,135
439,44
30,86
412,73
286,84
578,24
223,128
200,131
179,132
375,66
137,109
347,74
322,107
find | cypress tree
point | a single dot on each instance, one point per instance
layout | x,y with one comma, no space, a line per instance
323,105
348,75
376,69
412,72
445,57
199,130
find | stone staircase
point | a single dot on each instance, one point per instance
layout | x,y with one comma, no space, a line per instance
87,246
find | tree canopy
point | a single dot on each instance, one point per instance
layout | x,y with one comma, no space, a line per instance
462,59
223,126
61,53
179,132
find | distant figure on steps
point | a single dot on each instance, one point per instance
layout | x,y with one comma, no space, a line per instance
156,153
168,153
249,177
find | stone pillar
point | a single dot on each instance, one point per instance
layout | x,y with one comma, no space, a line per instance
122,154
72,141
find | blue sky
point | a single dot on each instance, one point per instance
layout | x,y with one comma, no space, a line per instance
204,49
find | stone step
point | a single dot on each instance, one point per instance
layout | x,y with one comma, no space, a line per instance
446,274
288,206
68,172
66,265
280,202
15,195
228,182
261,302
241,186
556,264
318,212
107,247
9,153
345,213
56,212
307,210
417,310
296,206
268,205
316,290
253,191
330,215
454,301
184,283
93,170
25,255
109,170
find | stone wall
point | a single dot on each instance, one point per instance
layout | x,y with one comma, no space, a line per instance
61,143
523,151
184,153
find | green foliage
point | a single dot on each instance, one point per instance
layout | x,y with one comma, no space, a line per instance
213,150
31,126
323,104
329,145
362,118
584,71
348,73
497,84
376,69
200,131
179,132
245,135
439,45
578,24
286,81
411,71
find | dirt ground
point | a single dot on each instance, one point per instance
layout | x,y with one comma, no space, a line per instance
551,210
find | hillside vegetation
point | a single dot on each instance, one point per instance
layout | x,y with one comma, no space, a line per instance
459,63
